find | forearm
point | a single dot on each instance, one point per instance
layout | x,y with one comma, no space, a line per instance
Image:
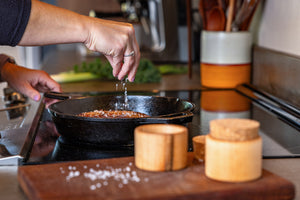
52,25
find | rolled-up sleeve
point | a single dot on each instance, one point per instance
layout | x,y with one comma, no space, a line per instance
14,16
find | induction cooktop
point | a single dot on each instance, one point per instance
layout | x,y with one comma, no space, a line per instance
279,126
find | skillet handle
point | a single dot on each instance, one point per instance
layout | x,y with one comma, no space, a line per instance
57,95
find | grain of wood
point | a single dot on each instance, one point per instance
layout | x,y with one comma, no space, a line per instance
160,147
234,129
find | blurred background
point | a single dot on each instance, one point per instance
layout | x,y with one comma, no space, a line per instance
161,27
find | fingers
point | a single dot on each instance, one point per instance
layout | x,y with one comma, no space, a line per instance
28,91
131,59
127,62
118,43
131,63
44,83
116,63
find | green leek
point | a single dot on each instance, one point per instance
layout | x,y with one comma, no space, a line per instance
71,76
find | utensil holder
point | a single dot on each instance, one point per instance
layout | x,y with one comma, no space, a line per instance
225,58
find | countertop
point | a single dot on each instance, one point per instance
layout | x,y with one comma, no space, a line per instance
9,186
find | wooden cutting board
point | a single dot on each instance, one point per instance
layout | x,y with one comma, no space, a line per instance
118,178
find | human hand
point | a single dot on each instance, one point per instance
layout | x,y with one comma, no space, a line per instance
117,42
28,81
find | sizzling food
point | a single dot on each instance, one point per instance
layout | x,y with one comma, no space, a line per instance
113,114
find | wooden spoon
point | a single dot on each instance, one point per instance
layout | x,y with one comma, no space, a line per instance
212,14
216,19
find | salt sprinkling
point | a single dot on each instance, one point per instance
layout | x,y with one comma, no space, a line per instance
102,176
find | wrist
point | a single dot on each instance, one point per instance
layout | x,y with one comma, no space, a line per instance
87,24
3,60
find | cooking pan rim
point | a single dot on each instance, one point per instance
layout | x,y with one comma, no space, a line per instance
56,113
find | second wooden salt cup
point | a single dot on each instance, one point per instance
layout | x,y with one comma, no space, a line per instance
160,147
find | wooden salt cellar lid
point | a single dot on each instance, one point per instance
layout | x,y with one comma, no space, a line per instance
233,151
160,147
234,129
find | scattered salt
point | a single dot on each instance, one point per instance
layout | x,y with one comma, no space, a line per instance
93,187
72,174
98,185
121,175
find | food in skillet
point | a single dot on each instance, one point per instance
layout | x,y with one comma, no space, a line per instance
113,114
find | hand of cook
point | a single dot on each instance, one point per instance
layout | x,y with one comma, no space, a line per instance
27,81
117,42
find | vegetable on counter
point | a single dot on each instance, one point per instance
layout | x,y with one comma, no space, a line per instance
147,72
172,69
71,76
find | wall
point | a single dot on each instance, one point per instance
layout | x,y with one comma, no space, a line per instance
276,58
280,26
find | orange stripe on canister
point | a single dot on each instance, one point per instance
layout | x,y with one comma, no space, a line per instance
224,76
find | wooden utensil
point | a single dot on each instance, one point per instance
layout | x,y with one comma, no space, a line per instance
251,10
216,19
213,16
230,15
244,15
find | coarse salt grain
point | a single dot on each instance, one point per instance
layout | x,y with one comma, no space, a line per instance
93,187
72,174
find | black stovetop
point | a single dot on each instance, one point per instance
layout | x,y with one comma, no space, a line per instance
280,139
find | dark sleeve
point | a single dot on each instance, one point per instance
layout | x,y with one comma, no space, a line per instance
14,16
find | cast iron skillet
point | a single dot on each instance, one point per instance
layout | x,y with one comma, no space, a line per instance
114,131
